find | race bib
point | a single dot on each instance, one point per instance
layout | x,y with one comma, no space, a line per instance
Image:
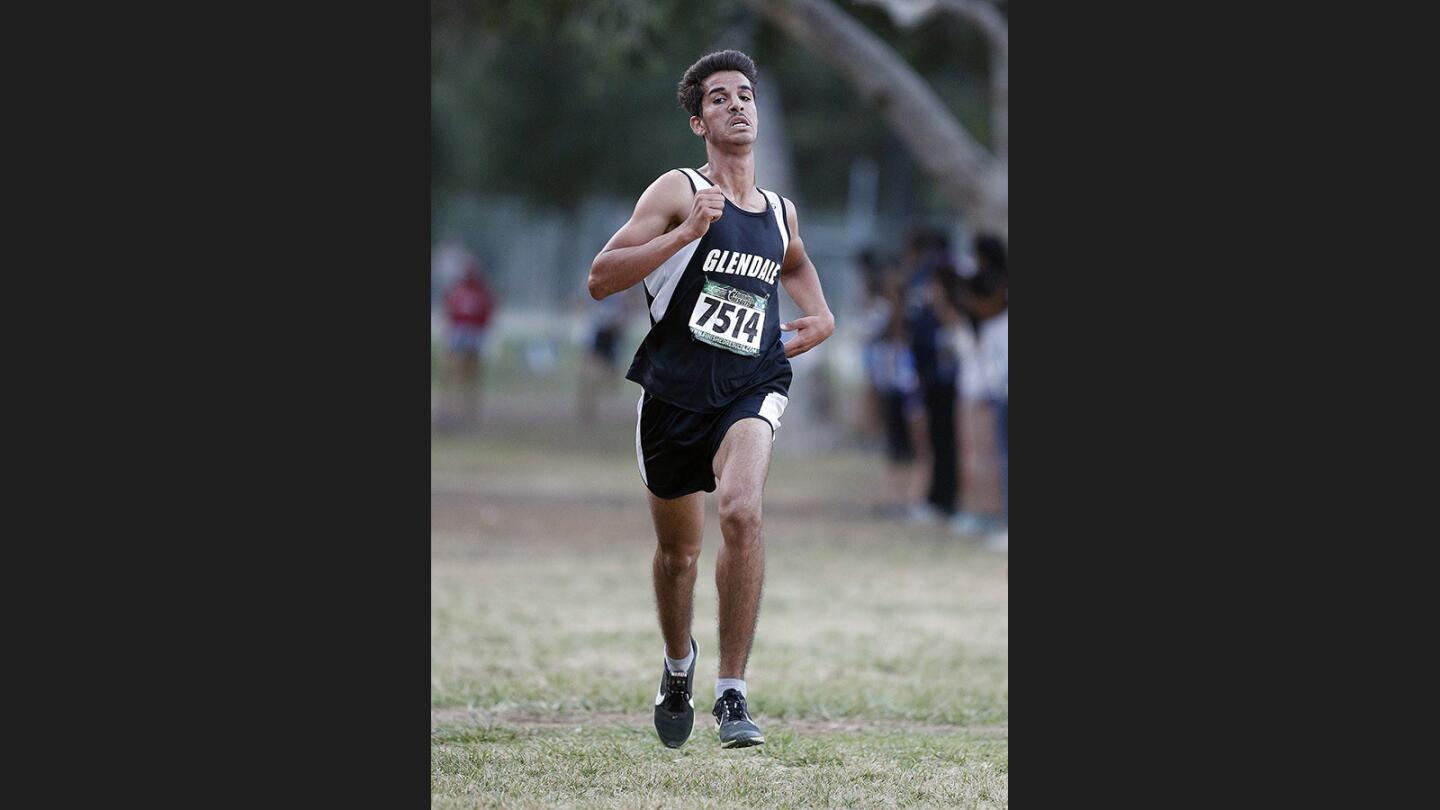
728,318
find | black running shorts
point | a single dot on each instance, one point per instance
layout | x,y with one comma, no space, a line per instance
676,447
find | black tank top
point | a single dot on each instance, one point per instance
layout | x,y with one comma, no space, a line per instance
715,313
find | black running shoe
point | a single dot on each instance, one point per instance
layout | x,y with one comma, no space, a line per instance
675,704
732,719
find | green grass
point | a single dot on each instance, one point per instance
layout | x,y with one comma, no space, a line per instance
627,767
879,671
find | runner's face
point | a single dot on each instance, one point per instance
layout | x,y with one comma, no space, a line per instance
727,108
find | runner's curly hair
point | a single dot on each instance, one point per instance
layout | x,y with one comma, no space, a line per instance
695,76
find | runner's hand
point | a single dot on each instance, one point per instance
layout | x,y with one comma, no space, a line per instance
809,332
708,206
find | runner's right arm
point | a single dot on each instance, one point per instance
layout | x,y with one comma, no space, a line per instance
665,220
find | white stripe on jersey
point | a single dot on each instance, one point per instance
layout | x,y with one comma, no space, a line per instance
666,278
697,178
777,207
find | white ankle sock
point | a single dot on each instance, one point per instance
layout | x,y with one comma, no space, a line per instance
679,666
721,684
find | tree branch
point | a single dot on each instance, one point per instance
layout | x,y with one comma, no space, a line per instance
969,176
911,13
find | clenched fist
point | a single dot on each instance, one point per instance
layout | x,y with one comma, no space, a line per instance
709,204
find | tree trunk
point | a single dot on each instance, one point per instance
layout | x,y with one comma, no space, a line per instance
969,176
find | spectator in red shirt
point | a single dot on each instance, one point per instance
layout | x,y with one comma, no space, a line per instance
468,307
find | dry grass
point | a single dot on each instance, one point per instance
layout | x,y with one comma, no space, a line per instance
879,672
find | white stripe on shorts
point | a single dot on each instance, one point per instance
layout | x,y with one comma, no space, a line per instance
640,452
772,408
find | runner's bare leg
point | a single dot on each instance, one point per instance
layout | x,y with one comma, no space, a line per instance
679,528
741,466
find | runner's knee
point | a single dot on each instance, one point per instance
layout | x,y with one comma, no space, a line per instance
739,517
677,560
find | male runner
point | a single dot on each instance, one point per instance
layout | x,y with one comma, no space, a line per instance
710,246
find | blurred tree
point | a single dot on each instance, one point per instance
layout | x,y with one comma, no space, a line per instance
986,18
555,100
971,177
550,99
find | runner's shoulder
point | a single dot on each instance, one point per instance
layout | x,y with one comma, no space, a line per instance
674,180
672,187
668,195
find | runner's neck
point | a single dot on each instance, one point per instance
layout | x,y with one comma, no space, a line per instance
736,178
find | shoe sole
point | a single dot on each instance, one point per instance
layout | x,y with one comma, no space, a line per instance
743,742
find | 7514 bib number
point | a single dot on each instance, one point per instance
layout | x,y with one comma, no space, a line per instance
728,318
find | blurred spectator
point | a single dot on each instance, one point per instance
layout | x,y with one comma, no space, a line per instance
890,372
875,311
600,373
936,366
995,359
991,287
990,255
469,305
974,442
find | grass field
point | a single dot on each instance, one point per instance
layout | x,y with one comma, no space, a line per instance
879,672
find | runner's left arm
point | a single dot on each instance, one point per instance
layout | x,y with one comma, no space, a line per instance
800,280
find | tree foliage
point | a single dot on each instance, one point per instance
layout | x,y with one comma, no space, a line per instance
556,100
